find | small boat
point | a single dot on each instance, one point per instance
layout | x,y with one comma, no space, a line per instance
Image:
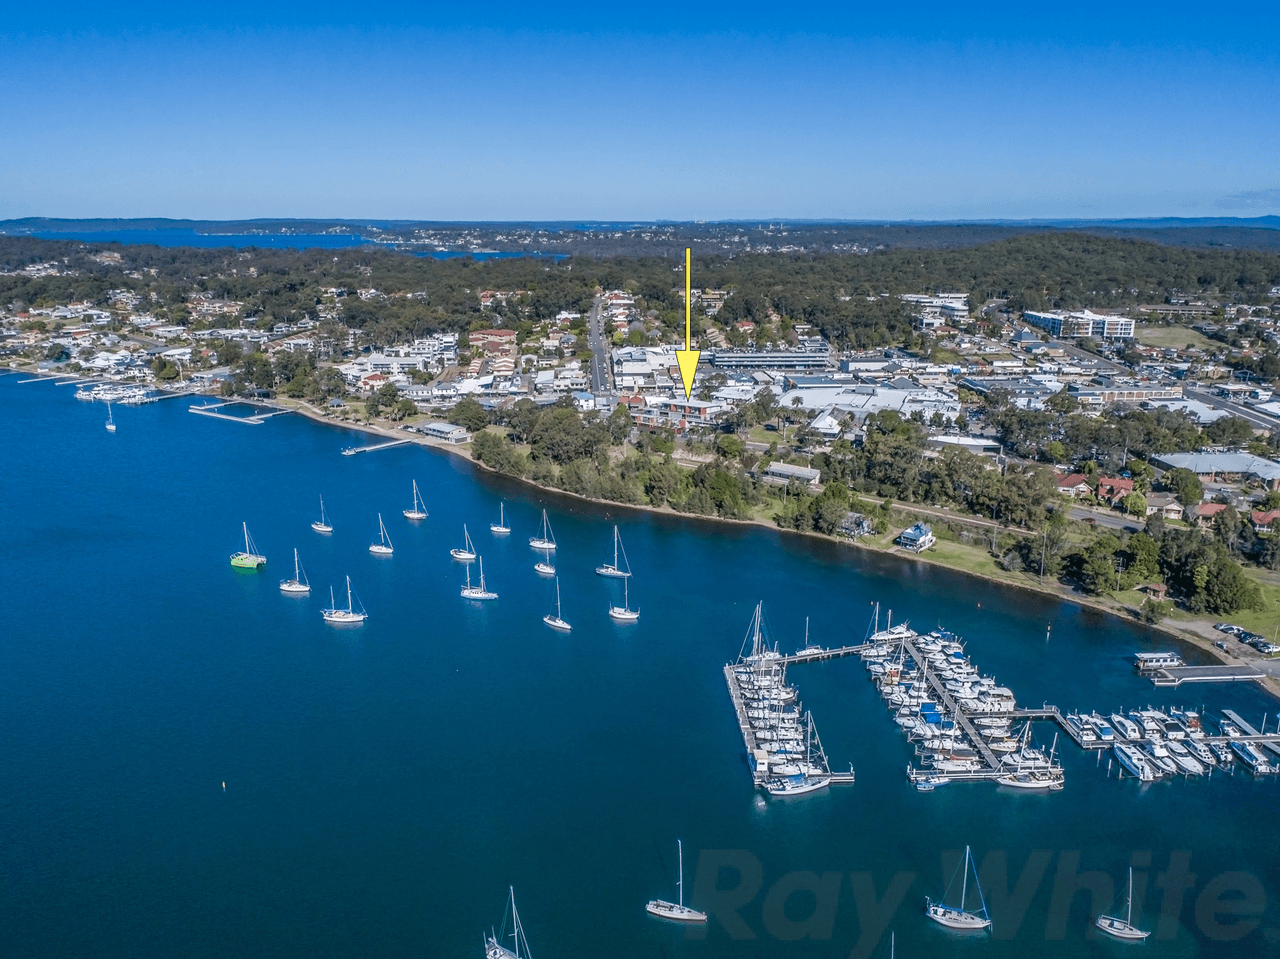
1122,928
1201,752
322,524
955,917
1133,760
614,569
477,592
299,582
493,947
501,527
624,613
1253,757
419,509
383,548
351,616
465,553
797,785
544,568
250,558
930,783
547,540
557,621
675,910
111,423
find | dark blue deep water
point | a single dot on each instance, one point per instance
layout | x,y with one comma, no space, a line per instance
385,785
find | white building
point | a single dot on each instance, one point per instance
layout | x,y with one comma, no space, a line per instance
1082,323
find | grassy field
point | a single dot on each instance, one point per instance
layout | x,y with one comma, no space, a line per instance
1175,336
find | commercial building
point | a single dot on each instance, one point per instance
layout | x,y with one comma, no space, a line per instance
1082,323
1218,466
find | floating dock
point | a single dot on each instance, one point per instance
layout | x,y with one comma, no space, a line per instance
1177,675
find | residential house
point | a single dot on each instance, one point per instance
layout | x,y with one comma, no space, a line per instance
1112,490
918,538
1074,485
1166,504
1264,521
1202,514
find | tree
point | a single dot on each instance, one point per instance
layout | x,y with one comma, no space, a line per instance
470,415
1135,504
619,424
1184,484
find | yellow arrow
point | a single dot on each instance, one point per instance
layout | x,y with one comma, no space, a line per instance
687,358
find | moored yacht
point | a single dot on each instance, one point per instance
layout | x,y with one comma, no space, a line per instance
675,910
299,582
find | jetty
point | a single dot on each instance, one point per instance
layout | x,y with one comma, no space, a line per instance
372,447
1177,675
257,419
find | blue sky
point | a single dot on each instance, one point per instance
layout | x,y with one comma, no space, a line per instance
595,111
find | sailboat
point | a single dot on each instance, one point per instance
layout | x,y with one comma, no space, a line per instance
344,617
624,613
501,527
544,567
250,558
383,548
465,553
322,525
556,621
493,947
547,540
619,572
1122,928
419,508
111,423
299,582
477,592
675,910
955,917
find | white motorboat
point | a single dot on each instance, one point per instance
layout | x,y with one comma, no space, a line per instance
615,569
493,943
351,616
466,553
797,785
1160,758
955,917
322,524
299,582
418,511
1201,752
500,527
1133,760
1122,928
1125,726
557,621
477,592
675,910
384,547
547,539
1181,755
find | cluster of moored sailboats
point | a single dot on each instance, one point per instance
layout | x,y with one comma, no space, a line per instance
544,543
788,753
511,930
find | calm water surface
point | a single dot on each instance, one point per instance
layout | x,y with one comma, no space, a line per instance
385,785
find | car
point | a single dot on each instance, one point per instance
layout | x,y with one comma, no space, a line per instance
1224,627
1268,648
1221,645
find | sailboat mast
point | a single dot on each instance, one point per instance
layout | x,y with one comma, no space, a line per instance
246,538
349,606
1128,916
615,547
680,883
964,886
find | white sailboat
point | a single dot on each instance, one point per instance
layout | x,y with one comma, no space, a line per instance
322,524
477,592
466,553
351,616
383,548
249,558
500,527
675,910
1122,928
557,621
613,569
624,613
111,423
493,947
543,567
547,540
419,509
955,917
299,582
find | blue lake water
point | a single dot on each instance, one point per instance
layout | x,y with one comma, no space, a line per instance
275,241
385,785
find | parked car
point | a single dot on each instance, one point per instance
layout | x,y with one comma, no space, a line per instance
1221,645
1268,648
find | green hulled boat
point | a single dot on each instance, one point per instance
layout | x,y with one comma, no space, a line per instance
250,558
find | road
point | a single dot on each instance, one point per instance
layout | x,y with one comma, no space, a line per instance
1259,420
601,374
1109,520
